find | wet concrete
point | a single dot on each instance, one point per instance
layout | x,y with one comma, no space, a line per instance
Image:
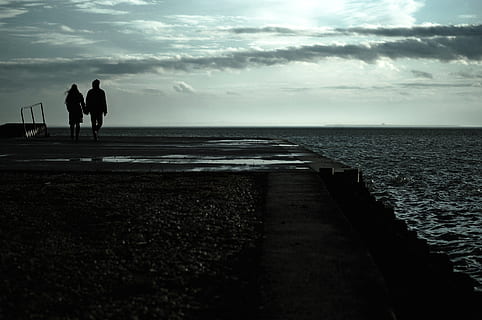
157,154
314,265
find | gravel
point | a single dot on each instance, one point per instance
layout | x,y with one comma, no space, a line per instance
128,245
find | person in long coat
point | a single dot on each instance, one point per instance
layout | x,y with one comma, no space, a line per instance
75,106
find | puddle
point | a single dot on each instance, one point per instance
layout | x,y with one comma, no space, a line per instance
185,160
203,160
287,145
242,168
241,141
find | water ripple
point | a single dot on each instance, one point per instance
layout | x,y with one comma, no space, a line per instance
431,177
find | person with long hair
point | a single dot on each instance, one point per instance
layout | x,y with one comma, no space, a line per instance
75,107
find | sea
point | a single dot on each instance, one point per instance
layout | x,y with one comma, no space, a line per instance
432,177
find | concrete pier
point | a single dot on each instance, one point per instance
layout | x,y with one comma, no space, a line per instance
314,264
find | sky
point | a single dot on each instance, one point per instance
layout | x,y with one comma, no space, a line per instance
247,62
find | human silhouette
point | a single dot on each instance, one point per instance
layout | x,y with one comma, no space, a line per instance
96,104
75,105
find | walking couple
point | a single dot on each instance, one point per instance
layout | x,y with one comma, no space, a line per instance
95,104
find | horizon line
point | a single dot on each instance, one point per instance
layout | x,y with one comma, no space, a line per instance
288,126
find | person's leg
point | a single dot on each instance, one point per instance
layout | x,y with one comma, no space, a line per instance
77,131
71,131
93,119
99,122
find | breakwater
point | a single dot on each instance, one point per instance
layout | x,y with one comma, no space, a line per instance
422,283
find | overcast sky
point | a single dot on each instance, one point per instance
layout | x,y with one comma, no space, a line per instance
247,62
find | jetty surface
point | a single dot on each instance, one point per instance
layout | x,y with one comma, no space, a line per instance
312,263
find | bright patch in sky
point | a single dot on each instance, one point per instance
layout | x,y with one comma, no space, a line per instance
251,62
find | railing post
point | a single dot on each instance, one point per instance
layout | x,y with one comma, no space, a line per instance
23,122
43,119
33,117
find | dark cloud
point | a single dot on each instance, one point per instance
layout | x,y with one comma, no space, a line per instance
416,31
444,49
422,74
421,31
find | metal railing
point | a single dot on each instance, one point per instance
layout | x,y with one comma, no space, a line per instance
34,129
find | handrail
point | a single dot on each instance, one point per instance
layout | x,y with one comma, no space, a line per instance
35,129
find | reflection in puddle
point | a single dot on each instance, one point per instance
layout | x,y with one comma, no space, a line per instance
219,162
240,168
192,163
238,142
205,160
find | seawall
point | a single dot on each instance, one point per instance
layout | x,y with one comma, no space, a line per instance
422,283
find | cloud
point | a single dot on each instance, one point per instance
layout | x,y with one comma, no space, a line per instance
106,6
65,28
93,8
433,85
281,30
468,74
422,74
466,49
117,2
153,92
198,19
419,31
415,31
53,34
468,16
62,39
149,27
11,13
183,87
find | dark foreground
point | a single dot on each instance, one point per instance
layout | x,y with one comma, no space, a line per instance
132,246
128,228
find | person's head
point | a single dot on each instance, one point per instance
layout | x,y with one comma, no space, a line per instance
73,89
96,83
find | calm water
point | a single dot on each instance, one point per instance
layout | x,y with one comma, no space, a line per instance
432,177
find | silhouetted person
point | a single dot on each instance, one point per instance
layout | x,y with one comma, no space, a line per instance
97,106
75,106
